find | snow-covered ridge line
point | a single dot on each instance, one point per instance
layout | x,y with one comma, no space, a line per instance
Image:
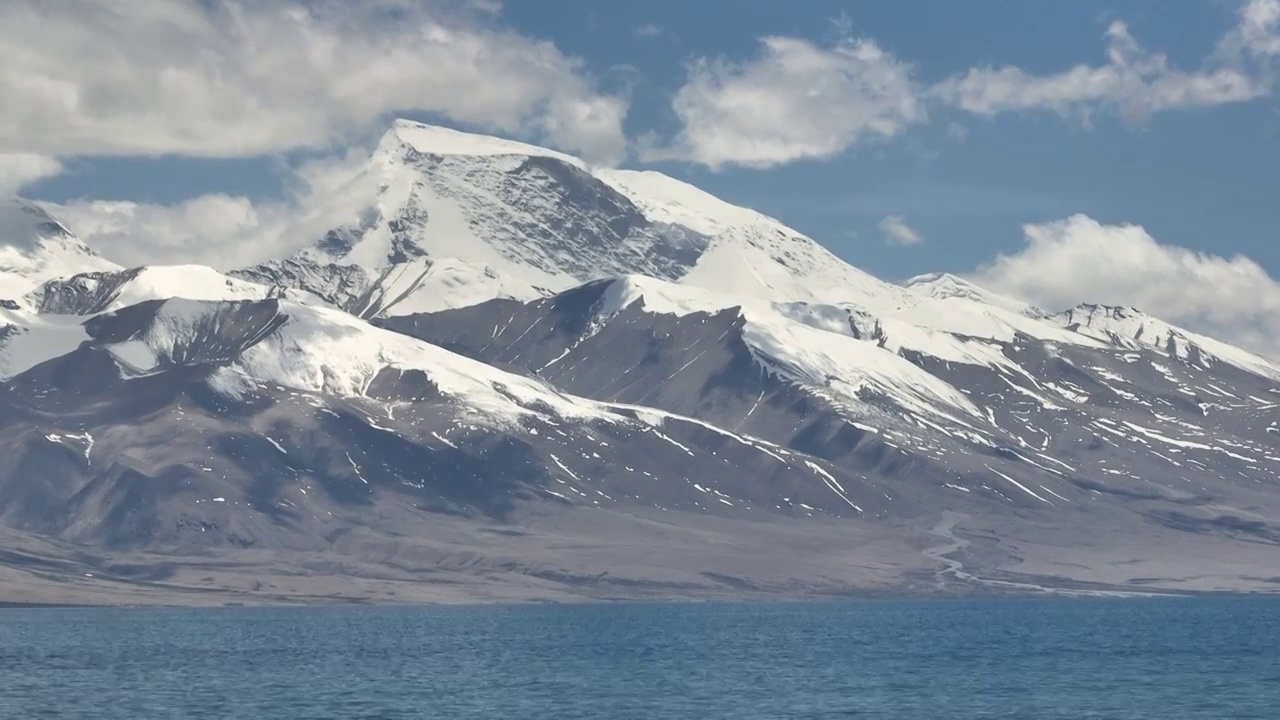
666,199
35,247
24,225
941,286
888,334
487,222
812,344
95,292
436,140
444,218
1129,328
525,228
321,350
746,244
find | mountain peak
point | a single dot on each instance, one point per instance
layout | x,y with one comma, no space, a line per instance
749,253
1128,327
1122,318
941,286
521,221
35,247
427,139
24,225
937,278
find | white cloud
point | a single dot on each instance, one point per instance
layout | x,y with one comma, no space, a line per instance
232,79
648,30
1134,83
898,233
1258,34
17,170
796,101
224,231
1078,259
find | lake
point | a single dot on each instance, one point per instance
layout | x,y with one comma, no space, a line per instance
1042,659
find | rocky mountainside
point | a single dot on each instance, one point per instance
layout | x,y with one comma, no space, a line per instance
275,414
201,436
1032,422
501,373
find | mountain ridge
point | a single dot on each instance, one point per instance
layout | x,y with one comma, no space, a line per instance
508,371
35,247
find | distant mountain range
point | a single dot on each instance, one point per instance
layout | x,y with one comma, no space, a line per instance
504,374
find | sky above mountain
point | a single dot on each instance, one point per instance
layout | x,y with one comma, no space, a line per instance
1125,151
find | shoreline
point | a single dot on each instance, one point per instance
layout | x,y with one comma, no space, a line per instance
853,597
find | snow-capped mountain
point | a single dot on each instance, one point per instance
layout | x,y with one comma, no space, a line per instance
177,426
950,403
748,253
34,247
1131,328
445,219
45,323
502,368
442,218
945,286
89,293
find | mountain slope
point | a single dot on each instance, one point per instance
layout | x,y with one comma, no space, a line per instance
1129,328
34,248
438,210
439,219
153,362
177,428
90,293
750,254
502,373
944,286
46,322
926,419
262,428
444,219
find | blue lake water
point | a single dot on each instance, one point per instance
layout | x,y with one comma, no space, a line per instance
1171,659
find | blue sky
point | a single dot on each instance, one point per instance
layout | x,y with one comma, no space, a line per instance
1196,167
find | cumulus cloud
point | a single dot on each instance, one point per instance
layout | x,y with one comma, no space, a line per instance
1133,83
226,231
1078,259
250,77
17,170
797,100
219,230
1258,34
898,233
